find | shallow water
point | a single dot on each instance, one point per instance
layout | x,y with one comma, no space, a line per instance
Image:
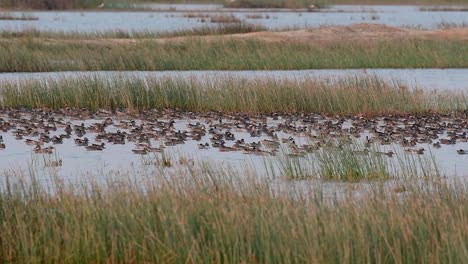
428,79
90,21
77,160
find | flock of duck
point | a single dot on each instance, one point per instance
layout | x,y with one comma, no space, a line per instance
257,134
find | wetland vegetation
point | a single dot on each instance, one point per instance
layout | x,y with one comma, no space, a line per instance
37,55
368,96
338,197
226,217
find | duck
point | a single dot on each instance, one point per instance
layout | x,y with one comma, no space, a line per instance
388,153
57,139
368,142
224,148
96,147
33,142
142,151
154,149
203,146
39,150
462,152
271,143
81,142
229,136
54,163
419,151
287,140
217,144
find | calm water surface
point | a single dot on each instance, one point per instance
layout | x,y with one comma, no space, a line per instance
89,21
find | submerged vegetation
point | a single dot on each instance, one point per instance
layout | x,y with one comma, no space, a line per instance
369,96
36,55
220,216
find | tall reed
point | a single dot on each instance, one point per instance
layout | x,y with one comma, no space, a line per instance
36,55
366,96
216,218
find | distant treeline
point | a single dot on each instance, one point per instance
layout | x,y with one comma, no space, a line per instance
73,4
50,4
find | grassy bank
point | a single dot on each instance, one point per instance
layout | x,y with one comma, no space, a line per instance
348,96
38,55
222,217
211,30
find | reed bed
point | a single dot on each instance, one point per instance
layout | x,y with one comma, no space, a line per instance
293,4
220,29
49,4
343,160
23,17
367,96
218,216
37,55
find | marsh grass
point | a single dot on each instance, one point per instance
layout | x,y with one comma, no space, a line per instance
292,167
49,4
293,4
341,160
24,16
341,163
219,29
213,218
34,55
365,96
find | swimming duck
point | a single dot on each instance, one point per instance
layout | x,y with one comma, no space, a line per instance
81,142
203,146
154,149
388,153
57,139
54,163
462,152
96,147
39,150
419,151
140,151
271,143
287,140
224,148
